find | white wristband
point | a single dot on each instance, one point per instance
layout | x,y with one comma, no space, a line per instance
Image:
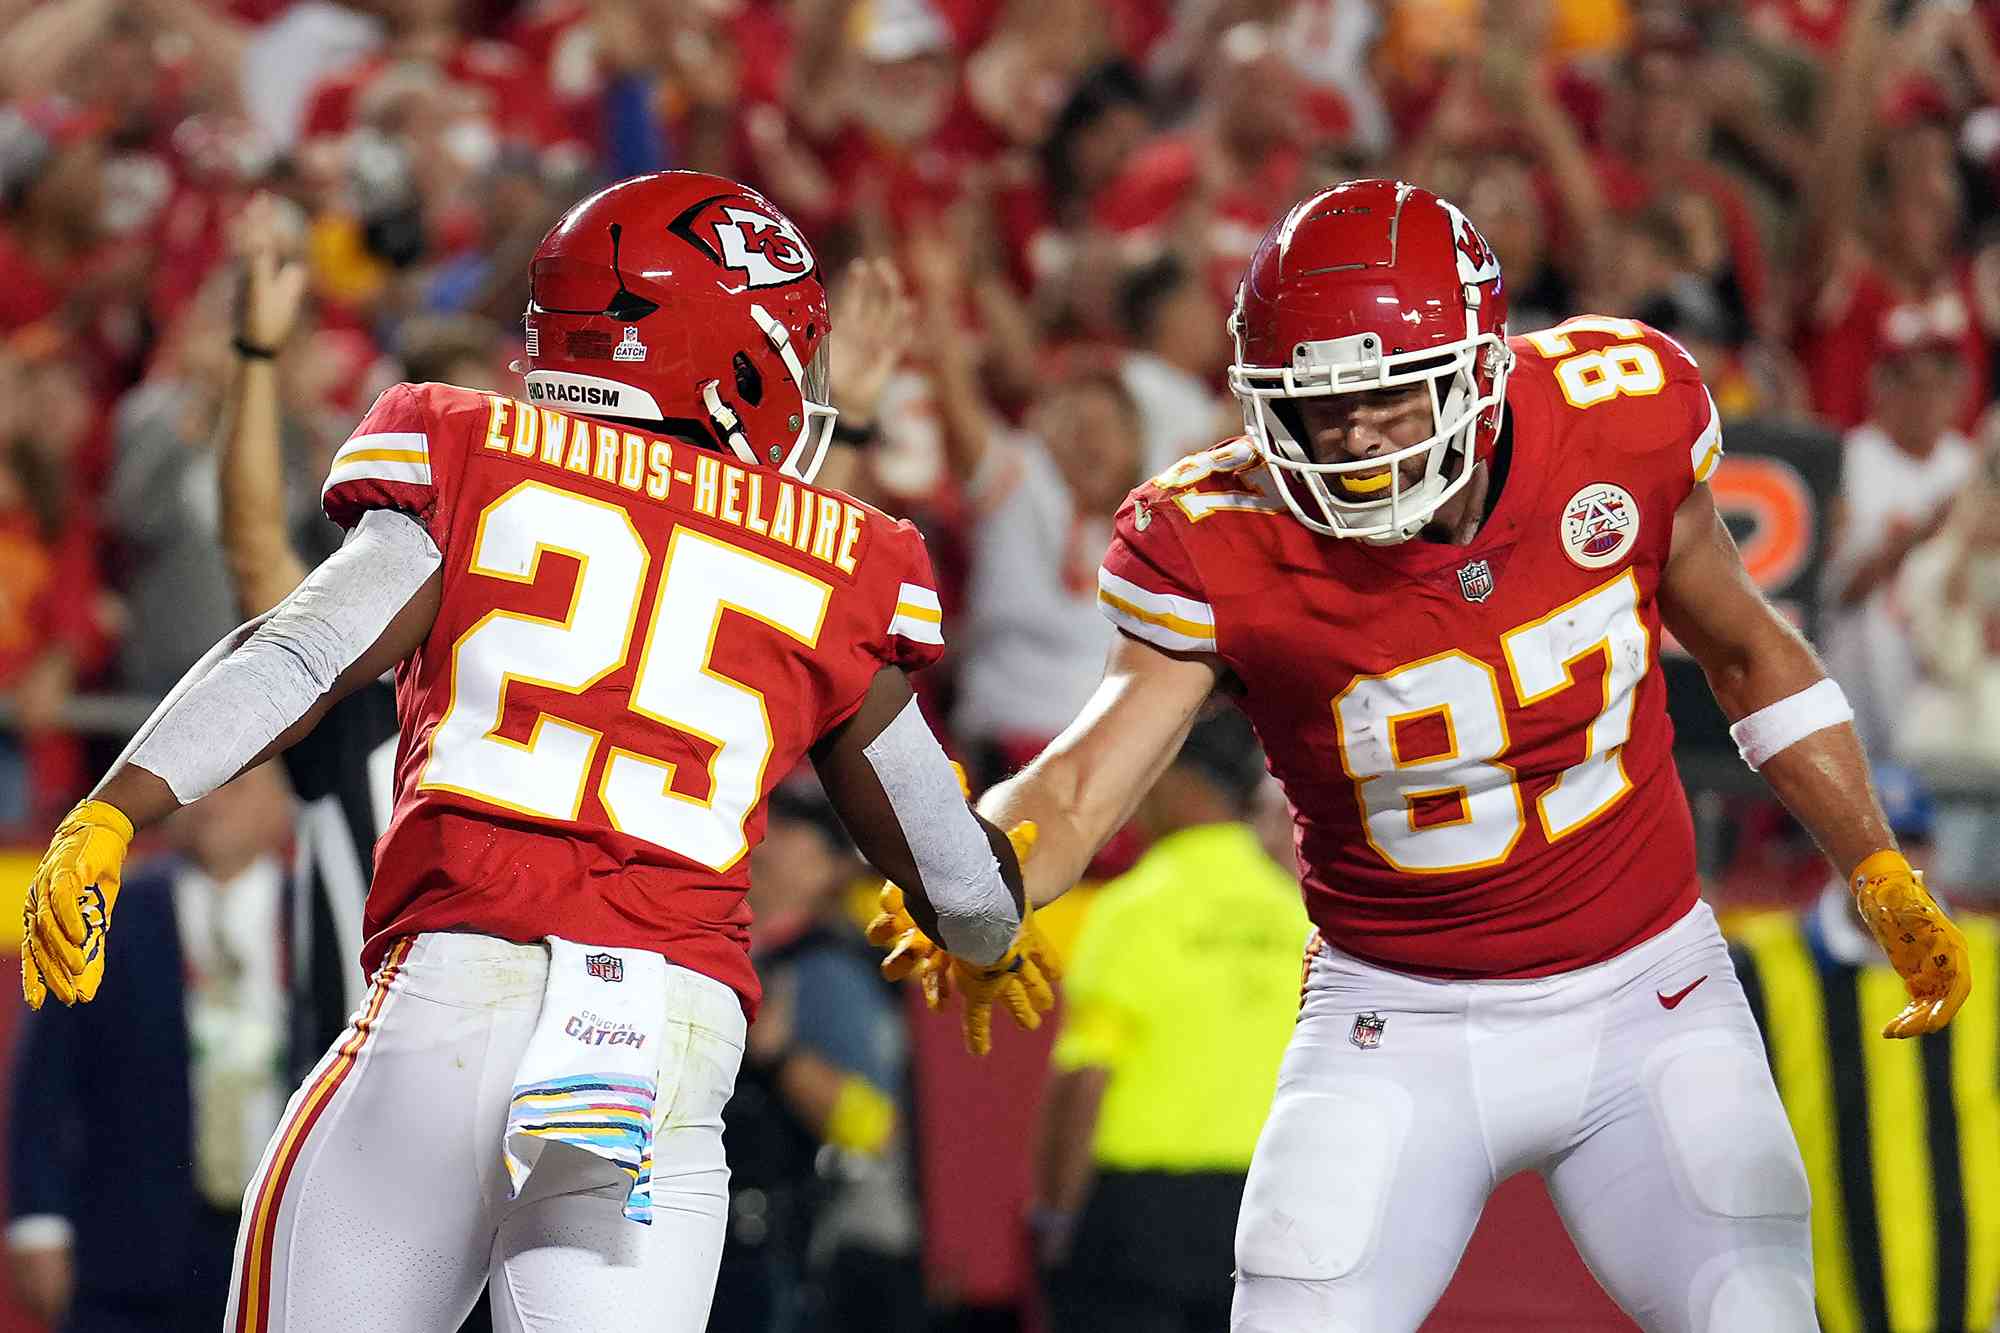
1778,726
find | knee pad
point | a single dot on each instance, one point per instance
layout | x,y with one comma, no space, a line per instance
1766,1290
1732,1148
1280,1305
1320,1180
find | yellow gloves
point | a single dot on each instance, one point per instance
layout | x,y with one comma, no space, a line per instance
69,905
1019,979
1923,945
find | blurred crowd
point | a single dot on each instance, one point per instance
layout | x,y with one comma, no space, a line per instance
1054,198
1032,214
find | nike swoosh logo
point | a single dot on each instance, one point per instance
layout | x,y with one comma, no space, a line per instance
1669,1001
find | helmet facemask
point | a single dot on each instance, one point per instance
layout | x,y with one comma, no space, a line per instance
1461,410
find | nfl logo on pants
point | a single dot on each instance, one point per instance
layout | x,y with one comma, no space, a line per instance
1367,1032
604,966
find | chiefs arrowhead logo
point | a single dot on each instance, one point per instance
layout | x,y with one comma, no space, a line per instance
740,233
1476,260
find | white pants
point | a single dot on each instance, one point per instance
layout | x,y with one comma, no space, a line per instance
1657,1128
382,1204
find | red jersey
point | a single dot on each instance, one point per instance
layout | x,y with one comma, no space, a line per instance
1474,739
638,639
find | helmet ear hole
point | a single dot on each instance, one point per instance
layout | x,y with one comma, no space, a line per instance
749,383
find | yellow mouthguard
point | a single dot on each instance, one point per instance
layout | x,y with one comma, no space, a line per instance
1366,485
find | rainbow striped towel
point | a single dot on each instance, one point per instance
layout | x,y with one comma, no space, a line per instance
589,1076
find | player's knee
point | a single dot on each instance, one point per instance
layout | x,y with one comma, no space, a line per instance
1282,1305
1768,1289
1320,1180
1732,1149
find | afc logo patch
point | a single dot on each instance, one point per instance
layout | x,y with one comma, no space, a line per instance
1599,525
1367,1032
604,966
1475,581
739,234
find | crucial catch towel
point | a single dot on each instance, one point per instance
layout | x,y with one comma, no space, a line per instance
590,1073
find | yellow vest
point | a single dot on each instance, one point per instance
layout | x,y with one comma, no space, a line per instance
1185,985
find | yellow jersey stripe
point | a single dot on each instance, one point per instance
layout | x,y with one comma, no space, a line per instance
1165,620
1799,1060
1707,465
909,612
1899,1152
384,456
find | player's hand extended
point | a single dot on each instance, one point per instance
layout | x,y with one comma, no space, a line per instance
1924,946
1019,979
69,905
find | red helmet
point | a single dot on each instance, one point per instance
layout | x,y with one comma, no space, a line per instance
1369,285
689,301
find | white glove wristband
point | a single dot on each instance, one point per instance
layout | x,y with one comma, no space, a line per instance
1783,724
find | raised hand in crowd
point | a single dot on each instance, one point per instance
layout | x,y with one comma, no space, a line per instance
263,566
272,279
875,318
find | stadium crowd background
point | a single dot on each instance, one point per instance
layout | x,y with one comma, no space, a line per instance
1032,214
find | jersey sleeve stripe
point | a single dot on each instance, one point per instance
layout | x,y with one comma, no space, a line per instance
1161,619
914,628
1142,626
916,596
1183,615
1706,452
410,474
382,456
918,616
399,441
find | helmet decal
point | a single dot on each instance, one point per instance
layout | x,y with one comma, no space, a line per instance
1476,261
765,248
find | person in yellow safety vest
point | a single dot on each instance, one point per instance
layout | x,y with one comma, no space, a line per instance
1179,1001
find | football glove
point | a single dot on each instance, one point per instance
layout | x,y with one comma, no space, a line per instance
69,905
1019,979
1924,946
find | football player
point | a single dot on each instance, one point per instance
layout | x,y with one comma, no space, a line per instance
619,612
1435,573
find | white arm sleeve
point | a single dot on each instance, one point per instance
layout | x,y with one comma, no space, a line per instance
976,913
250,687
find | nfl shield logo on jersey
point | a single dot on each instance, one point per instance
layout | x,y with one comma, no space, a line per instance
1367,1032
604,966
1476,581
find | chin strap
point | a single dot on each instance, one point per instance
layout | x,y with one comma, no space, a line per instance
727,424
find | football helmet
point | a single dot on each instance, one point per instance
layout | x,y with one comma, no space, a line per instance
689,302
1371,284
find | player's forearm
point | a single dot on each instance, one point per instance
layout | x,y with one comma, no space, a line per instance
1077,796
1823,781
1067,836
263,567
266,684
1821,777
1086,784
